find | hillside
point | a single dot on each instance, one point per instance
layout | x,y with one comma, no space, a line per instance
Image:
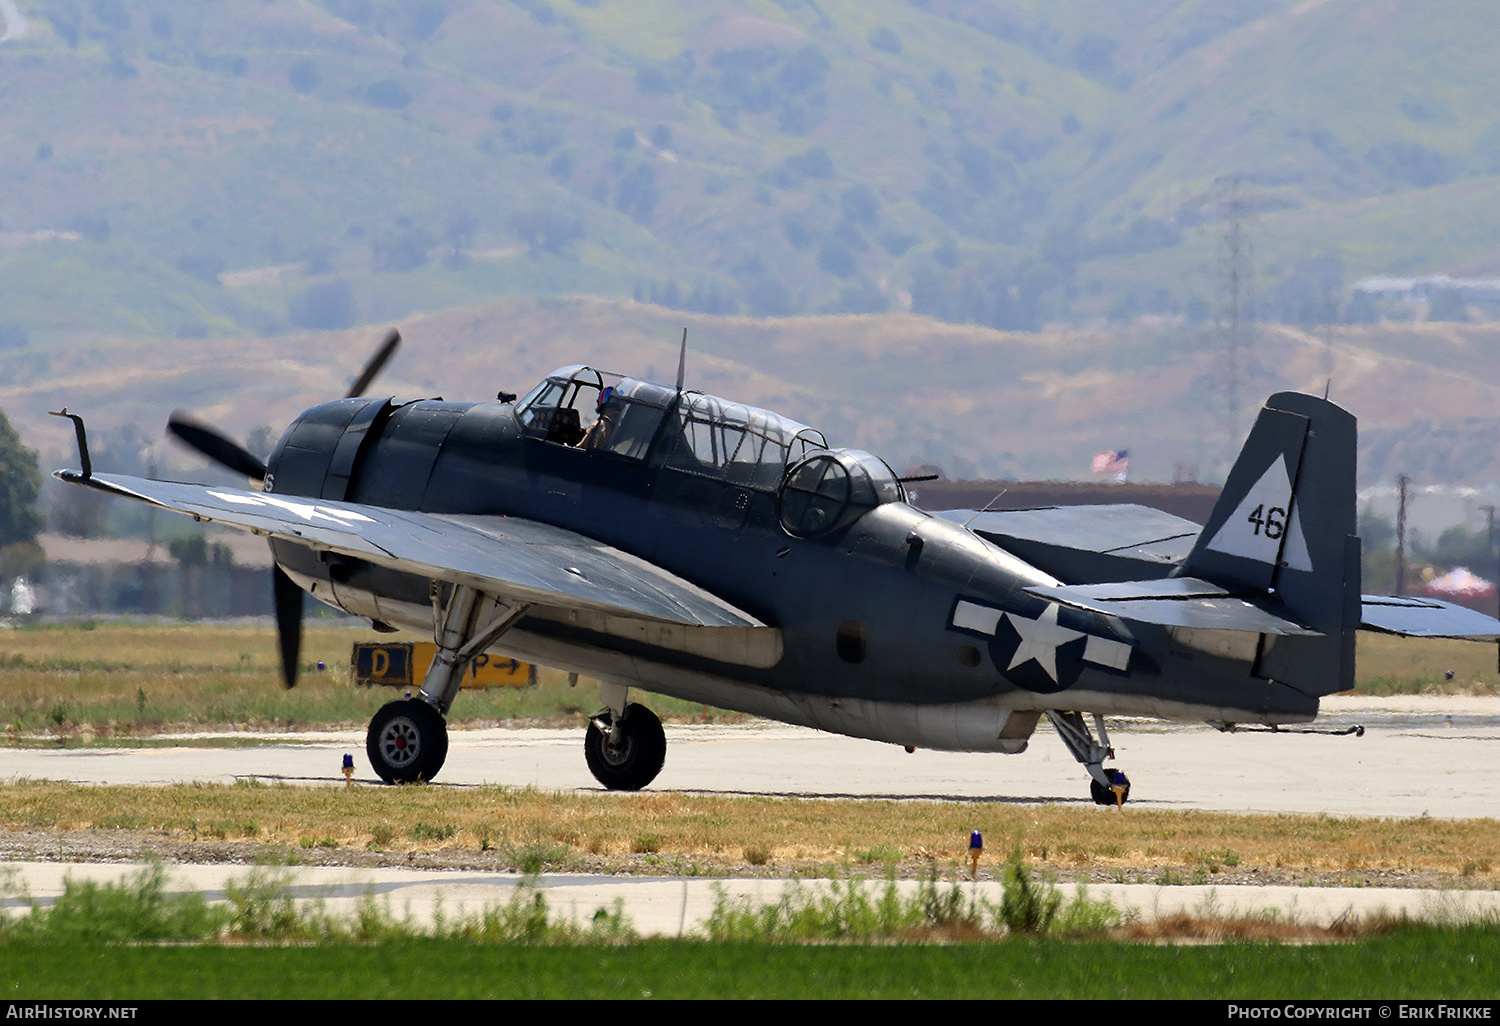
975,401
994,235
268,166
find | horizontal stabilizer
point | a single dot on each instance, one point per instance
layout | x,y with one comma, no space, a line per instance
1175,602
1425,618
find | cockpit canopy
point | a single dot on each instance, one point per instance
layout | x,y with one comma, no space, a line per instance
832,489
597,410
739,444
692,433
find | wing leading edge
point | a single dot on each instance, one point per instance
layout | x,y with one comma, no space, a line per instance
521,560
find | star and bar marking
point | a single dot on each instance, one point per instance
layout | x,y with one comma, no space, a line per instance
1038,640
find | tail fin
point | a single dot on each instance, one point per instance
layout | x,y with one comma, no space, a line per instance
1285,527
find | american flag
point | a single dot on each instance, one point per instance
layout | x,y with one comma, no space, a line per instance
1115,461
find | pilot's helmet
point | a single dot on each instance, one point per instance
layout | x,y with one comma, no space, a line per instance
608,396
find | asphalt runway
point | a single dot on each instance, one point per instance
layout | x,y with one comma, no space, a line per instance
1418,756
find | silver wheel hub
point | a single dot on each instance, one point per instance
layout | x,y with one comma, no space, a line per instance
400,742
618,751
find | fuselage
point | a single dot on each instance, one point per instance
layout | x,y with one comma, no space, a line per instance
894,624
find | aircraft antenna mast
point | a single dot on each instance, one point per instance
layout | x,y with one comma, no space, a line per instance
1330,311
682,361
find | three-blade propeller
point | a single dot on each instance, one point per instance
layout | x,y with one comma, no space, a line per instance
375,364
224,451
216,446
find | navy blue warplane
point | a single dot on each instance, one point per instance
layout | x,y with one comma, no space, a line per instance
660,539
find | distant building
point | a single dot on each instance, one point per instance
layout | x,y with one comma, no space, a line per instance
1447,298
131,575
1426,286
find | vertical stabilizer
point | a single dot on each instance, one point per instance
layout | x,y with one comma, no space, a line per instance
1284,528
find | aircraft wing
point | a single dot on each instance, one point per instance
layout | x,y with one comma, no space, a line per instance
521,560
1425,618
1087,543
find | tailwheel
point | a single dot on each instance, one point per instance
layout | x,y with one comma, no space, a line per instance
1116,793
407,742
626,752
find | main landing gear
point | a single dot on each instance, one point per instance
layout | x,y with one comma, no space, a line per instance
408,740
625,746
1115,792
1108,786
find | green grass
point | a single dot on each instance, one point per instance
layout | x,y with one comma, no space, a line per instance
136,941
1415,964
853,910
262,908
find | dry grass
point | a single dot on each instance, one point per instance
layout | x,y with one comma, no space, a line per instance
122,679
1390,665
173,647
713,835
1188,928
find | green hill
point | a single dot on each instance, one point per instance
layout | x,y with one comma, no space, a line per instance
988,234
266,165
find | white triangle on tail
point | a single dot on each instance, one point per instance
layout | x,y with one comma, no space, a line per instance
1256,528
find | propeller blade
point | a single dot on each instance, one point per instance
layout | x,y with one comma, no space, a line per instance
216,446
376,365
288,623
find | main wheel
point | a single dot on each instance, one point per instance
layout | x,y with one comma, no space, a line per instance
635,759
407,742
1106,795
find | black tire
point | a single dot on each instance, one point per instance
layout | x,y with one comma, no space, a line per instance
638,757
1106,795
407,742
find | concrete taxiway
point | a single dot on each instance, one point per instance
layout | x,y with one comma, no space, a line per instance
1418,756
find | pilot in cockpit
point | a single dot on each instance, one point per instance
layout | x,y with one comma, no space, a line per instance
609,409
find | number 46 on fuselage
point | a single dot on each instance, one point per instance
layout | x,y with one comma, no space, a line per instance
659,539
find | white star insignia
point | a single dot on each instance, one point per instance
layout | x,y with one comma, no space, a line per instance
306,510
1040,639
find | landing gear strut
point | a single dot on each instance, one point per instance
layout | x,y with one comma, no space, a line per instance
1108,786
408,740
625,752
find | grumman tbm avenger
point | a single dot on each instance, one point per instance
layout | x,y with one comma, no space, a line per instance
659,539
